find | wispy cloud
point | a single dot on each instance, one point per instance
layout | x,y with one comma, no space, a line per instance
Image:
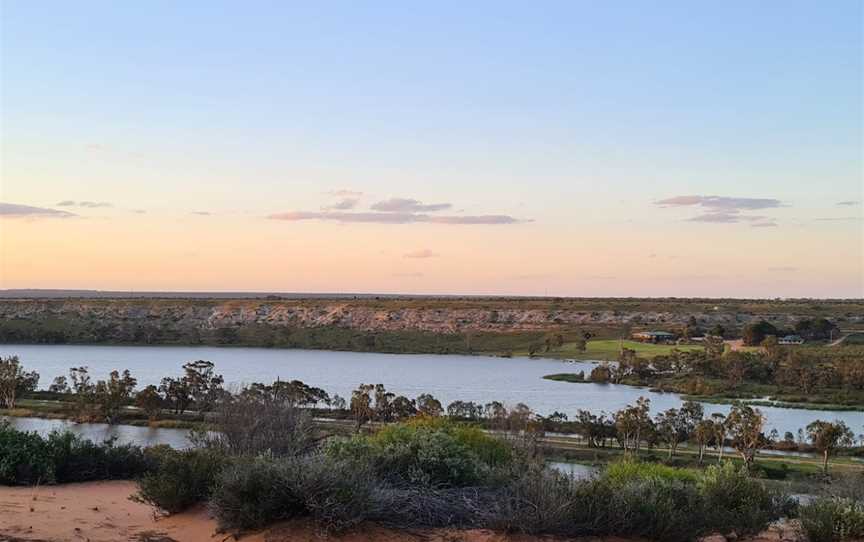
394,218
420,254
725,210
849,203
717,218
139,211
408,205
85,204
342,205
839,218
202,213
721,203
14,210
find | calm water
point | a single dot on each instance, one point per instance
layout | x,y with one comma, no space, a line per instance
97,432
469,378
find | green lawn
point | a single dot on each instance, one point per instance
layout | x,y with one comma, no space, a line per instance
607,349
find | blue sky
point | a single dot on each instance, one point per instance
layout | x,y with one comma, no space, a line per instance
570,116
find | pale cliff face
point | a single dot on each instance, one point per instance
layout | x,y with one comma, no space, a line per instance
391,315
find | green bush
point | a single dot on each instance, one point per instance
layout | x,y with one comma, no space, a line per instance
251,493
254,492
179,479
732,498
79,460
429,452
830,519
24,458
658,509
29,458
630,470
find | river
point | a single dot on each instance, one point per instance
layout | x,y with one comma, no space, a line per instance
448,377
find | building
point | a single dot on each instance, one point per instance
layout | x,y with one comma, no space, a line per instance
654,336
790,339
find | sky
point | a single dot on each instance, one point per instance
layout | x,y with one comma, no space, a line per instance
566,148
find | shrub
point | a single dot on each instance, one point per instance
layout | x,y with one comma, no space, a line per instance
24,458
629,470
735,500
338,495
28,458
536,501
253,492
427,452
179,479
830,519
79,460
252,425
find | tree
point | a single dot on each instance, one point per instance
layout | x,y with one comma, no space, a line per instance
112,394
198,386
149,401
754,334
464,410
744,425
633,424
703,434
827,437
14,381
429,406
203,385
383,409
361,405
85,392
59,385
338,402
817,329
601,374
675,426
402,408
719,433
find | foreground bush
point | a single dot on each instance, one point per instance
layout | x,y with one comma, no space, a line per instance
431,452
29,458
534,500
254,492
179,479
735,500
830,519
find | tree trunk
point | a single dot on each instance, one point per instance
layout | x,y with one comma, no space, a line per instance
825,462
701,453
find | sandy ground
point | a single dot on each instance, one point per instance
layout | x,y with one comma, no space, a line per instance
102,512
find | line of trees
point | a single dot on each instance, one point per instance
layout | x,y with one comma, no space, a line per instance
200,390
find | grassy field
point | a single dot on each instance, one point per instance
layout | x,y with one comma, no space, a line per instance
607,350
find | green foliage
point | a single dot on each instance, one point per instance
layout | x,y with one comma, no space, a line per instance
179,479
434,452
733,498
254,492
24,458
831,519
628,470
28,458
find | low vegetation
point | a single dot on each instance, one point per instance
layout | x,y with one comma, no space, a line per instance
30,459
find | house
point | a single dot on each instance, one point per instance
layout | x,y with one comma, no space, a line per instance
653,336
790,339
